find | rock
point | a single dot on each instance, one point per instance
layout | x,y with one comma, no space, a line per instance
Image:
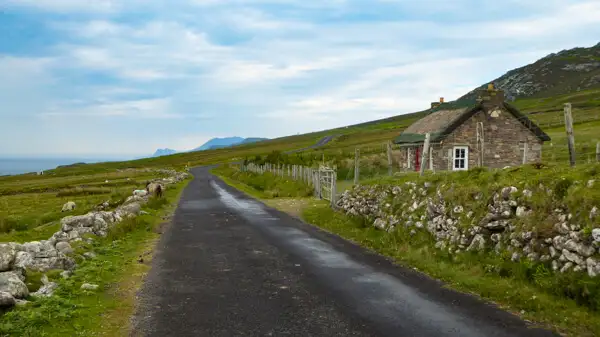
596,234
7,300
527,193
64,247
68,207
419,224
440,245
88,286
507,191
555,265
413,232
592,266
380,223
498,225
496,237
559,242
579,248
7,256
89,255
573,257
515,257
533,256
46,290
521,211
11,283
86,220
526,236
516,243
590,183
458,209
553,252
545,258
562,228
477,244
593,213
566,267
128,210
66,274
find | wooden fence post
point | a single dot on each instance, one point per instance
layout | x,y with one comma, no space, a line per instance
425,155
570,136
356,165
525,150
389,157
598,152
333,187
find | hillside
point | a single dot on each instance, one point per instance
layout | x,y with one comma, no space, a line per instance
219,142
565,72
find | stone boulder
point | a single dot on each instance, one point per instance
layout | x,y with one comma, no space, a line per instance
140,193
7,300
7,256
68,207
11,283
64,247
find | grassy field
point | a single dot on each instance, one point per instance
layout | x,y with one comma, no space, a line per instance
30,205
117,271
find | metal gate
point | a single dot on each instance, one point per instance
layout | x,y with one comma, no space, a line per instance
325,184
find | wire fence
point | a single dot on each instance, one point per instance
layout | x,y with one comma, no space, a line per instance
323,179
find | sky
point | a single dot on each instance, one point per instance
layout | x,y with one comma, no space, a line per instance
118,78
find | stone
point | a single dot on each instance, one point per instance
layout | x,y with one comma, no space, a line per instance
64,247
555,265
526,236
590,183
579,248
553,252
559,242
7,300
458,209
68,207
7,256
508,191
562,228
66,274
572,257
527,193
128,210
140,193
89,255
440,245
516,243
498,225
515,257
380,223
46,290
592,266
477,244
521,211
576,236
596,234
88,286
11,283
496,237
593,213
533,256
545,258
566,267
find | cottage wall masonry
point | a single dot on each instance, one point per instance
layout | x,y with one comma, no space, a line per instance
489,133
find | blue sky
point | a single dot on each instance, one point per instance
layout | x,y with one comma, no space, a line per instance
124,77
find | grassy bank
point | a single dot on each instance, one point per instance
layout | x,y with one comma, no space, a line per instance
117,270
267,185
566,303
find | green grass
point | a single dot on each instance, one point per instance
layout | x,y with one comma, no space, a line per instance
268,185
105,312
525,290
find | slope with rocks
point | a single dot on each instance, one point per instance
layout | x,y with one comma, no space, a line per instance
567,71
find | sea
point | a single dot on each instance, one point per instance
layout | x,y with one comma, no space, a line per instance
14,166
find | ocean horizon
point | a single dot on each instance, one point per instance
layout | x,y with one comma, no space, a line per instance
15,166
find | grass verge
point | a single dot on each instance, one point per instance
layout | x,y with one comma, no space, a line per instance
117,271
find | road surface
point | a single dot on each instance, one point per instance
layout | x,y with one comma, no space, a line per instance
230,266
322,142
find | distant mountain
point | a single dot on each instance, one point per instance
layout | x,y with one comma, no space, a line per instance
163,152
218,143
559,73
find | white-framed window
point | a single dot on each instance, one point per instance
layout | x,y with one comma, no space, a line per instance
461,158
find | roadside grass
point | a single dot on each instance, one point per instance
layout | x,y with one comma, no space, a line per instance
268,184
105,312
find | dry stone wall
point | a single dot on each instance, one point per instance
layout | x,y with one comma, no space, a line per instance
494,223
17,259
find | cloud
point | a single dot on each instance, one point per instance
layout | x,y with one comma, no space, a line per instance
192,68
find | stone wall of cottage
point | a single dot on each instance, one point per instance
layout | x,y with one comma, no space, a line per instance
504,142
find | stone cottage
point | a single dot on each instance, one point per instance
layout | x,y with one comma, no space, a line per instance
487,132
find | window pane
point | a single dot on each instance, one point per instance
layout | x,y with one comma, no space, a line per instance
462,153
456,153
462,163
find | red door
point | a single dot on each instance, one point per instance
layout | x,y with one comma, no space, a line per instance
418,159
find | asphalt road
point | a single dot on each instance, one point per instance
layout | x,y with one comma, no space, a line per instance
323,141
230,266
